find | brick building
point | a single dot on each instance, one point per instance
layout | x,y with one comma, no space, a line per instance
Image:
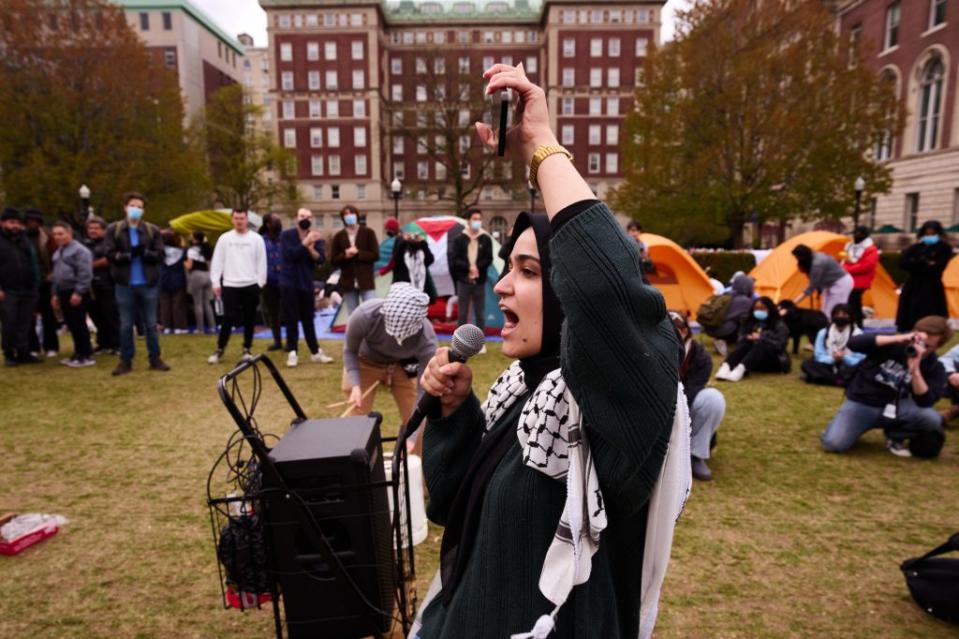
256,78
189,43
914,45
343,69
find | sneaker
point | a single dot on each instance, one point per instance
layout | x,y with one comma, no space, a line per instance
482,351
168,331
123,367
68,361
898,448
292,360
320,357
82,362
181,331
215,357
247,356
737,373
723,372
50,354
157,364
276,346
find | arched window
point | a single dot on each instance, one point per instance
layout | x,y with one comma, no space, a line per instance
930,104
497,228
886,142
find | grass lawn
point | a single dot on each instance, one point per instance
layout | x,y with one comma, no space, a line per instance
786,542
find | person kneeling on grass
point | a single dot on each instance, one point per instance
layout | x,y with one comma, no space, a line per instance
707,406
834,363
895,389
761,346
950,362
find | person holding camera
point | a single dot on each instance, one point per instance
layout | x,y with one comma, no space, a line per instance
895,389
301,251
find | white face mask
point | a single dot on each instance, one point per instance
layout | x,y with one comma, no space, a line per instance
476,225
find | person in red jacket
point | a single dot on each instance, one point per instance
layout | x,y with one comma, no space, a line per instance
861,260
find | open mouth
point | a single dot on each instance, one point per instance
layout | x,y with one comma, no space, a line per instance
510,319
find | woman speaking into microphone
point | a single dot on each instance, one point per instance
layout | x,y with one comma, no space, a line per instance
545,487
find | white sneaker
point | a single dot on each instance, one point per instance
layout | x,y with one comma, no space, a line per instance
82,363
737,373
215,357
292,360
49,353
247,355
723,372
320,357
482,351
181,331
897,448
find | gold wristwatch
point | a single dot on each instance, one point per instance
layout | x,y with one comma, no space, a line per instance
543,152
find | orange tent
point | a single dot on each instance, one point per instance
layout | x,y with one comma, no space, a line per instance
950,279
778,276
678,276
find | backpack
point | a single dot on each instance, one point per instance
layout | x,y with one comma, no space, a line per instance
712,312
934,581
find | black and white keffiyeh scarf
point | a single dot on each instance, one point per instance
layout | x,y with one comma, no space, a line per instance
403,311
553,442
836,338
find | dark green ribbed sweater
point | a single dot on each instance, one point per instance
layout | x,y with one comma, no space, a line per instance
619,357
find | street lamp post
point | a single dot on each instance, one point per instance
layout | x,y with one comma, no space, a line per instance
397,188
84,192
860,186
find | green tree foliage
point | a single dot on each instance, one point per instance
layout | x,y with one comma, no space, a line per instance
754,113
247,168
83,102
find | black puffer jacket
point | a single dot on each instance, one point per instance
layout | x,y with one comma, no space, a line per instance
18,264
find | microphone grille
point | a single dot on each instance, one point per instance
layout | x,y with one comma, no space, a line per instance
467,340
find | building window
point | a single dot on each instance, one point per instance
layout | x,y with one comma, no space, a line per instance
569,77
356,49
891,38
567,106
595,78
289,138
168,20
612,162
930,104
464,65
569,16
597,16
359,164
397,92
507,60
359,136
359,108
912,211
331,83
356,19
318,194
465,171
333,137
593,163
642,44
615,16
398,145
487,37
311,20
312,50
396,66
596,106
506,37
283,21
595,47
359,80
613,77
335,190
569,47
595,132
286,52
439,66
286,80
313,81
465,142
420,66
399,171
532,63
144,22
612,106
316,165
422,170
329,50
421,93
569,133
937,13
289,110
613,47
169,58
439,169
316,138
361,191
334,165
487,62
612,134
297,20
332,108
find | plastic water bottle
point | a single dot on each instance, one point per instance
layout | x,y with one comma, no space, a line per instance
218,306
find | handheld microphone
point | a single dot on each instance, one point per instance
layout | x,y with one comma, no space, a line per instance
467,341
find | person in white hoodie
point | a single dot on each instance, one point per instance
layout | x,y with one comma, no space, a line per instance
238,271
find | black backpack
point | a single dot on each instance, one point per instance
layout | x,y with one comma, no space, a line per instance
934,581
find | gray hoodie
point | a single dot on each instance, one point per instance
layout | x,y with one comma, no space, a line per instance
72,268
823,272
739,306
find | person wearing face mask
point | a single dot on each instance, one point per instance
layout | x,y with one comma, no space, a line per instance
470,257
19,284
270,298
135,249
579,423
761,346
826,277
354,250
301,251
862,258
197,264
923,292
389,342
833,363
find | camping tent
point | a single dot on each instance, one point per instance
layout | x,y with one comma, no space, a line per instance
950,279
439,232
213,223
678,276
778,276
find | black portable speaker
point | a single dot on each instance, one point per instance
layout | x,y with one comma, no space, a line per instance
335,466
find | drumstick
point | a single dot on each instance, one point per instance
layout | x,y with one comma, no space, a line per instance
362,397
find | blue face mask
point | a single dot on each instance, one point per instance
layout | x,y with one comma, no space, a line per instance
134,213
762,316
349,219
476,225
930,239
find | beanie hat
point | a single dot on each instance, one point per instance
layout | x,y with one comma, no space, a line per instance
34,214
11,213
934,325
392,224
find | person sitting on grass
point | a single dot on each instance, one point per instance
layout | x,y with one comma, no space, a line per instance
833,363
740,305
896,386
761,346
950,362
707,406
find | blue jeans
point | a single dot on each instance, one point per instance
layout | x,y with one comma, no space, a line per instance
706,414
854,419
354,298
130,300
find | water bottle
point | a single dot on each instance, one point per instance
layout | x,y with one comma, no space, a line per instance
218,306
